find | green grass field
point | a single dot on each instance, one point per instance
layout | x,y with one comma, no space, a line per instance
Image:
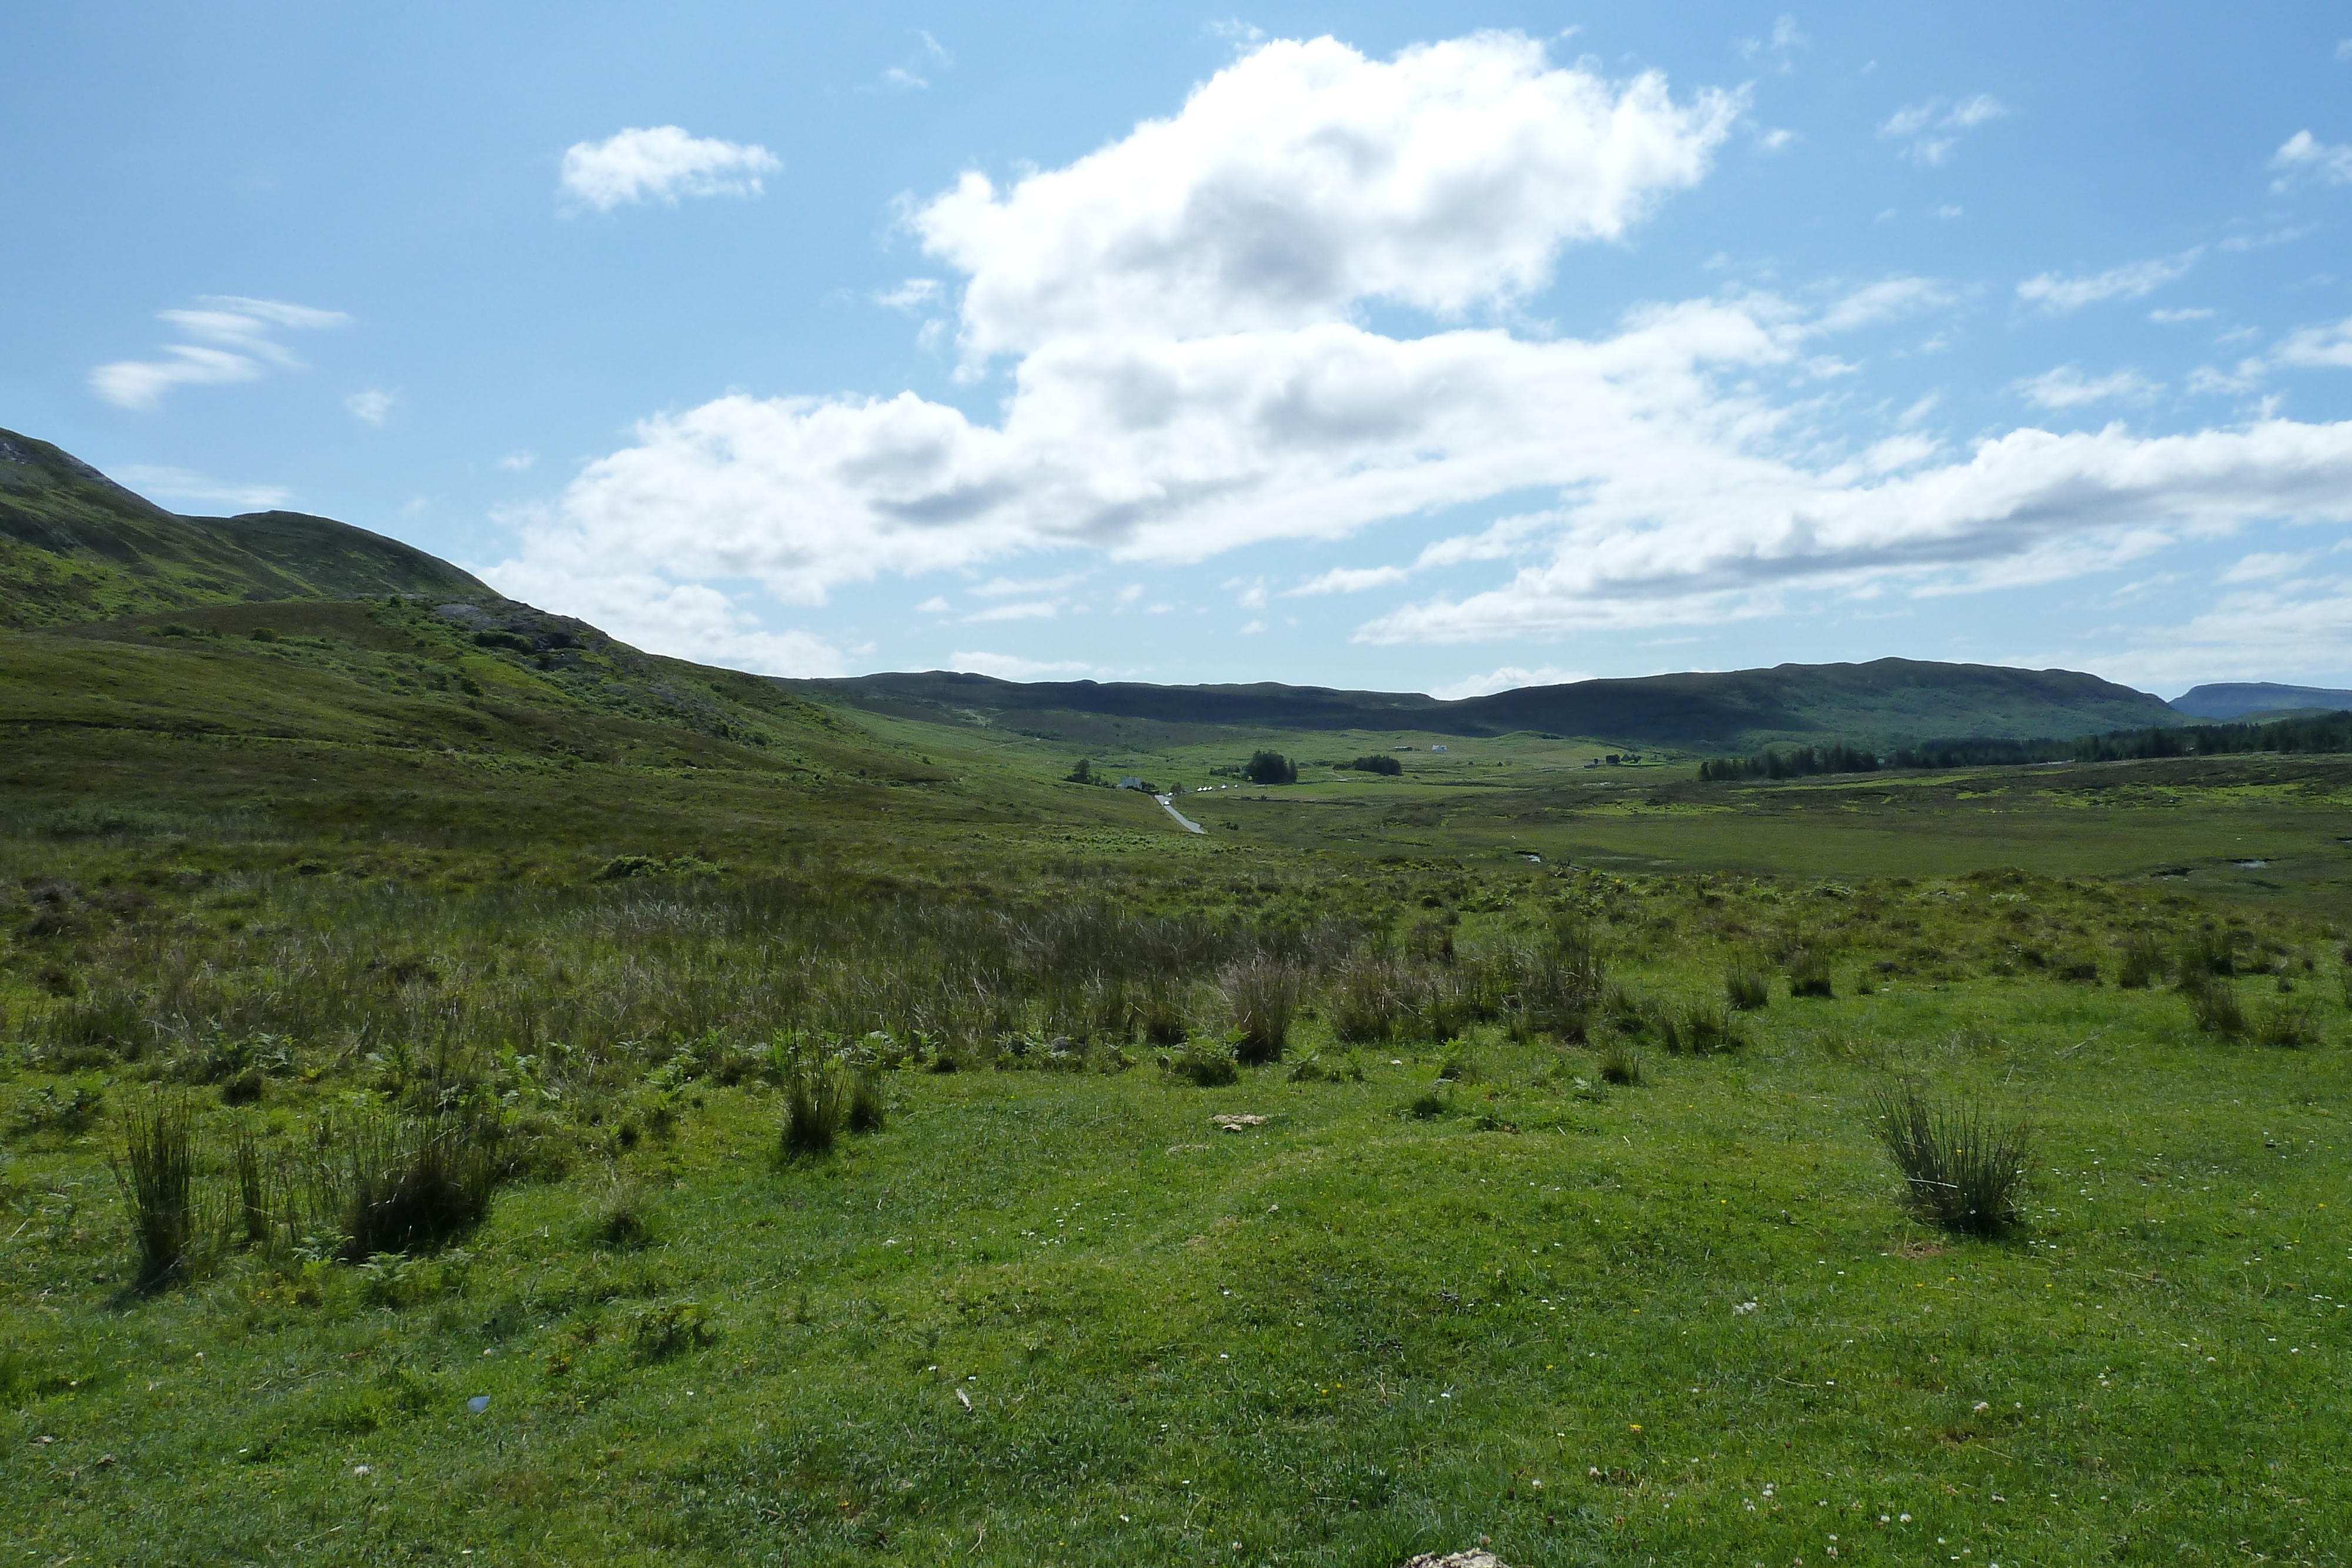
578,918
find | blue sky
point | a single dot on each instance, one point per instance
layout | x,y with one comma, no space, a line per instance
1397,347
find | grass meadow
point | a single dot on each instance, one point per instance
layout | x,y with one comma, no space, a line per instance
1557,1221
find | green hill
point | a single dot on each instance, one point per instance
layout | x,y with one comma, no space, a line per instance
76,546
1880,703
2247,699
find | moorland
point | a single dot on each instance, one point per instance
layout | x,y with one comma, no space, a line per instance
474,1091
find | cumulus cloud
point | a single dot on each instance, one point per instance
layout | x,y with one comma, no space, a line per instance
184,484
236,341
661,164
518,461
1929,131
2304,155
2132,280
1192,370
1305,179
643,607
2066,387
1510,678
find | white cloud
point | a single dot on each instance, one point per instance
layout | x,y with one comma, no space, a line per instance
1003,587
1778,140
686,621
371,405
2304,154
1929,131
909,75
1777,46
2066,387
2030,506
1192,373
2297,632
2166,318
1947,212
2261,566
2343,50
936,604
1013,668
515,461
1348,579
182,485
2132,280
236,343
1304,178
1039,609
1510,678
661,164
912,294
1249,591
2317,347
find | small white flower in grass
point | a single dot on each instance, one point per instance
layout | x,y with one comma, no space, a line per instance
1982,1405
359,1469
1743,1309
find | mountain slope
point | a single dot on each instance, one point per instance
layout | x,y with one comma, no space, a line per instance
76,546
2235,699
1879,703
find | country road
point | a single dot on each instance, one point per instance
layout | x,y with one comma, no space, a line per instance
1167,804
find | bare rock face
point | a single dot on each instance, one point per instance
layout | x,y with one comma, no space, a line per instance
1471,1559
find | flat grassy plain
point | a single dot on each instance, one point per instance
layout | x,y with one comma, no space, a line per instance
1457,1286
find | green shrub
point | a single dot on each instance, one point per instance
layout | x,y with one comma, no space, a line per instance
1428,1106
155,1167
1270,767
1262,995
1619,1065
263,634
1961,1169
667,1329
507,642
1747,987
1460,1066
1388,767
622,1219
1207,1063
2209,953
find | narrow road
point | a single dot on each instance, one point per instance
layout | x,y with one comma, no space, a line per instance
1167,804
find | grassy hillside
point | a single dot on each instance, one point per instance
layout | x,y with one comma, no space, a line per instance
1880,703
75,546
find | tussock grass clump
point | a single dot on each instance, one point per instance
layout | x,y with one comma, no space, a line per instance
1698,1030
1160,1014
2141,964
253,1183
1809,974
1428,1106
622,1219
868,1111
1962,1170
1619,1064
155,1167
2294,1025
2217,1009
2211,953
1365,1005
401,1184
816,1100
1745,986
1262,995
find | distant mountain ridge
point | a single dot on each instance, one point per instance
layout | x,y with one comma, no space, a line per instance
2235,699
75,546
1884,702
